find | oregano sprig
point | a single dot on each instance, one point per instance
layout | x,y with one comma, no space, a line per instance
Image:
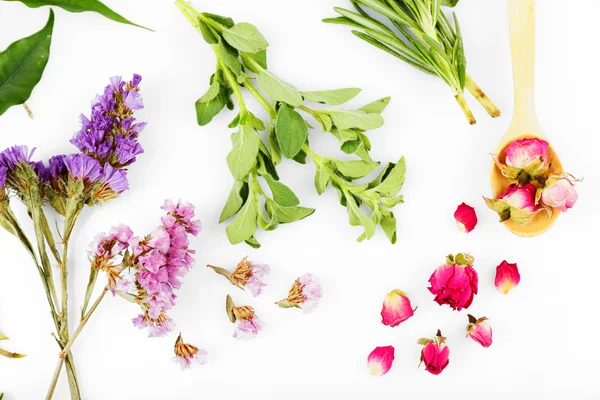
242,68
423,37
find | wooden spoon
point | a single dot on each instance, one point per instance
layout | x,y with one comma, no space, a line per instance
521,19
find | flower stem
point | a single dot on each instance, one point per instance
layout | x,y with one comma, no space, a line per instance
482,98
460,98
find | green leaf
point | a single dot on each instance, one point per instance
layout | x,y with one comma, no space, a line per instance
283,195
209,105
377,106
351,146
358,119
393,180
265,165
225,21
77,6
450,3
286,215
252,120
274,147
459,56
245,37
291,131
355,169
300,158
22,65
252,242
388,224
358,218
244,224
279,90
242,157
237,196
207,33
321,180
229,56
332,97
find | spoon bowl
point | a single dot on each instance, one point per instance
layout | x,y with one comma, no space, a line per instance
525,123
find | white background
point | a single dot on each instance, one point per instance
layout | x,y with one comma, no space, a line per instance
545,331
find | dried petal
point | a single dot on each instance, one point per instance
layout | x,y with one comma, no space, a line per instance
507,277
466,218
396,308
380,360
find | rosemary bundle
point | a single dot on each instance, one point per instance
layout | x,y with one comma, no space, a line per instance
241,55
419,33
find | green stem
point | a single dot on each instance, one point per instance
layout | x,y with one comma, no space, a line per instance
89,290
261,99
233,83
482,98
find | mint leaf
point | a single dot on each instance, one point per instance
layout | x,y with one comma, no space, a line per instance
283,195
377,106
237,196
355,169
358,119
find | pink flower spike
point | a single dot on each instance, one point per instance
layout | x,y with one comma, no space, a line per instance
380,360
507,277
396,308
479,330
186,354
465,217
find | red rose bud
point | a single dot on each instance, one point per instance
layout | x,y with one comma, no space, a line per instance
507,277
465,217
479,331
380,360
435,354
455,283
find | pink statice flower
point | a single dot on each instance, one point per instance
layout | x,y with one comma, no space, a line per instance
380,360
396,308
106,254
246,275
479,330
249,325
305,293
186,354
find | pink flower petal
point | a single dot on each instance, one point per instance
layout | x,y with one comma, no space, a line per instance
507,277
466,218
380,360
396,308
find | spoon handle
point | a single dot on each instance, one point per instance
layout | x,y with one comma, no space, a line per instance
521,19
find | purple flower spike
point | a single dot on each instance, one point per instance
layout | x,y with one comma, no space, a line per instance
127,150
57,166
83,167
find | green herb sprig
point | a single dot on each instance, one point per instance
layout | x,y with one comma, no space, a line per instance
240,50
419,33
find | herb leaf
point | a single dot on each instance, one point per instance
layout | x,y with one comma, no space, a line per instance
245,37
344,119
244,224
291,131
377,106
279,90
283,195
211,103
332,97
22,65
242,157
237,197
77,6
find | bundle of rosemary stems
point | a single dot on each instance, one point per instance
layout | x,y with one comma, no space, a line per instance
419,33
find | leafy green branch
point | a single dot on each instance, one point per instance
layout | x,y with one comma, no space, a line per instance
23,62
240,50
418,33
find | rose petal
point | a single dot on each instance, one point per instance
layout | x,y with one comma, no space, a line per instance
507,277
380,360
466,218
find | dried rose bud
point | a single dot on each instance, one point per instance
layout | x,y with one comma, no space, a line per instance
249,325
456,282
529,155
435,354
507,277
479,331
559,193
396,308
380,360
246,275
186,353
466,218
305,294
516,203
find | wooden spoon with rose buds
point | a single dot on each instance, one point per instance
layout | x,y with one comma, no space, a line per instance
521,20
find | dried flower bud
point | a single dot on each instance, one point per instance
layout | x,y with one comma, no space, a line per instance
249,325
305,294
559,192
507,277
466,218
435,354
456,282
246,275
396,308
186,353
479,331
380,360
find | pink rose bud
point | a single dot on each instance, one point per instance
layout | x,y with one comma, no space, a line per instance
522,198
380,360
530,155
559,193
507,277
480,331
465,217
455,283
435,354
396,308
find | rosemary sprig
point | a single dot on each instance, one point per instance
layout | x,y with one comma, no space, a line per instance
240,50
419,33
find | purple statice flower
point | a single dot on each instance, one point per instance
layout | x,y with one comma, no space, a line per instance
109,135
57,167
14,155
115,179
81,166
3,171
162,258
